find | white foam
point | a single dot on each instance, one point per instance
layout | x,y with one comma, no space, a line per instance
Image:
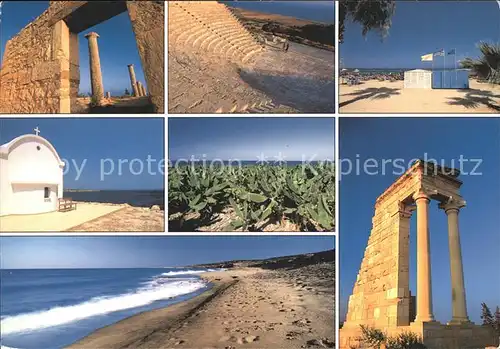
190,272
97,306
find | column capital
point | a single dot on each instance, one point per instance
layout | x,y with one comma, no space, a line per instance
404,210
452,205
91,35
130,65
421,194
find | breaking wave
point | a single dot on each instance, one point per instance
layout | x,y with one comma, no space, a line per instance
190,272
155,290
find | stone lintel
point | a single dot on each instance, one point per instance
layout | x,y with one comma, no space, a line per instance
422,169
81,15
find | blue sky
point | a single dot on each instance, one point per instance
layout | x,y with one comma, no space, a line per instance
96,139
423,27
247,138
149,252
321,11
117,46
441,138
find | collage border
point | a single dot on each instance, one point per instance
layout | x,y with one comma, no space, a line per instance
166,117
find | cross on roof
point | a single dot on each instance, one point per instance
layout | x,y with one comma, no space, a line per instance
37,131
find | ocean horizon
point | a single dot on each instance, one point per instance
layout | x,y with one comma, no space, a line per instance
137,198
53,308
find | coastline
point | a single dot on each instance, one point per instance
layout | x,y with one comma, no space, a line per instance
254,307
126,333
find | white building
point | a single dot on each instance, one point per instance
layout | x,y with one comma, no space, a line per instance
31,176
418,78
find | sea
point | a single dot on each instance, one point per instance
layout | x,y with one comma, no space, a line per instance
53,308
392,70
317,11
138,198
236,163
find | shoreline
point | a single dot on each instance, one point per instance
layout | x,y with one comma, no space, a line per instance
251,307
166,318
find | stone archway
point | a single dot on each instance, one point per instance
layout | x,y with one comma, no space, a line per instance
40,71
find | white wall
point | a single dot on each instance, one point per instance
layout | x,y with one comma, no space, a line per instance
31,198
5,190
24,175
418,79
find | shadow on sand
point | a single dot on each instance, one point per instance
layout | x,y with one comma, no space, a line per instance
306,94
473,99
370,93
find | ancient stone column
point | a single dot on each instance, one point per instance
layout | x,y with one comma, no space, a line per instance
133,81
108,95
143,90
458,303
424,284
95,68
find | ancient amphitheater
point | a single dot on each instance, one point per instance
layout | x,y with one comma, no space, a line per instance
217,65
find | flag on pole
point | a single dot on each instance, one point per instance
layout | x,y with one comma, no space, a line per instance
439,53
452,52
427,58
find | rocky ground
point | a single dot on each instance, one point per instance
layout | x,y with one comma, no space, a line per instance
308,33
285,302
127,219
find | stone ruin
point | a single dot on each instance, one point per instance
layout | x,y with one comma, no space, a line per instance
40,71
381,296
217,65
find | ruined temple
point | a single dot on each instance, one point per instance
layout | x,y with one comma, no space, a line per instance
40,70
381,295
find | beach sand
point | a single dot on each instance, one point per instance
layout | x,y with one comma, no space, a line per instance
391,97
55,221
247,307
88,217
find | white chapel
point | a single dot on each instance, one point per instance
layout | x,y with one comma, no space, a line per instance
31,176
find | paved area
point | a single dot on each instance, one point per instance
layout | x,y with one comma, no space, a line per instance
55,221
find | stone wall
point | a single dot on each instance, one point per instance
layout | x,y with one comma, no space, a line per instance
381,295
30,74
434,335
147,19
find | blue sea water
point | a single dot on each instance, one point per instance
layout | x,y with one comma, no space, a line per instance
52,308
139,198
318,11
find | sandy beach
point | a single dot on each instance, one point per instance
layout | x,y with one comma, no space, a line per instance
373,96
88,217
284,303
